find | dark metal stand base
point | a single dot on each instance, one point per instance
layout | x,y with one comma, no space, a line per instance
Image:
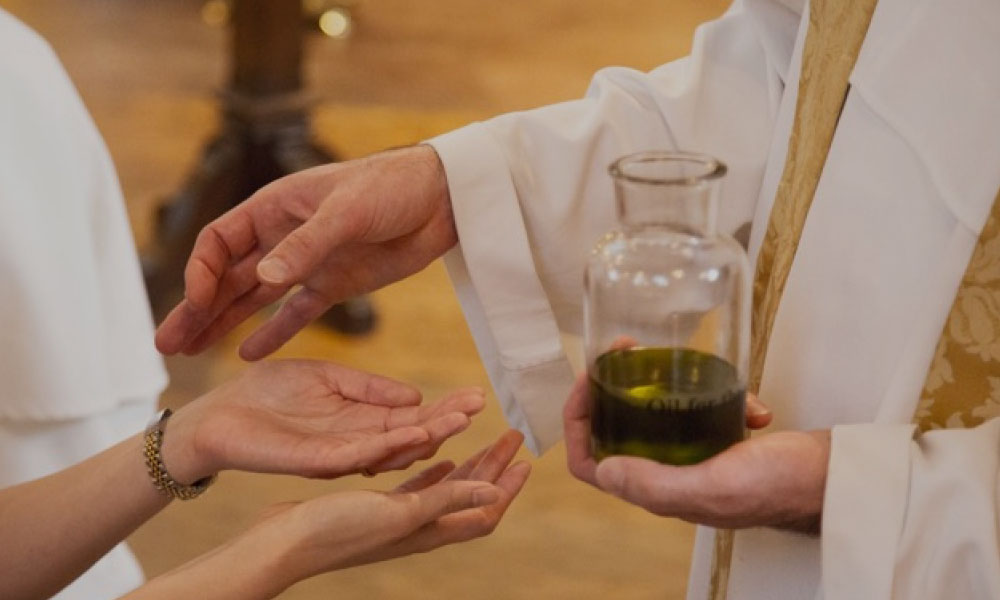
246,155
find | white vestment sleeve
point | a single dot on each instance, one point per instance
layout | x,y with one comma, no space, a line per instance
531,193
912,517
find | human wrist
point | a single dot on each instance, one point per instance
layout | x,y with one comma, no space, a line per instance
439,192
272,559
806,515
256,567
438,181
184,456
291,555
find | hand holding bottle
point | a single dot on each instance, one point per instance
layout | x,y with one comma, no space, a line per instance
775,479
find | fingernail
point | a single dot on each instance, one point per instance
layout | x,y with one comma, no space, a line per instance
485,495
610,476
457,422
272,270
757,410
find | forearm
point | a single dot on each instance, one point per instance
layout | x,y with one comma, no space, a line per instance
54,528
254,566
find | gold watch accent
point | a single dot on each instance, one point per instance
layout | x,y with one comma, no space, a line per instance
162,480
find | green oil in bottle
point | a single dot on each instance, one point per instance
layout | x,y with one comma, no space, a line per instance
673,405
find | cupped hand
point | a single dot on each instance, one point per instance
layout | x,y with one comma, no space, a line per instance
310,418
775,480
337,230
440,506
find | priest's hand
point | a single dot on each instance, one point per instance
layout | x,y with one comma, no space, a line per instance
337,230
310,418
773,480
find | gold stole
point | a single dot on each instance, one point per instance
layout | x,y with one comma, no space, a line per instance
836,31
962,388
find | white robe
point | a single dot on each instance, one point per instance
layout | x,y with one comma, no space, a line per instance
911,175
78,370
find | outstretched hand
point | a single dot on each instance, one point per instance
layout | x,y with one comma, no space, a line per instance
774,480
295,540
337,230
440,506
310,418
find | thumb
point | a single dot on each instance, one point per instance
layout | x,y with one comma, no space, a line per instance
657,488
301,252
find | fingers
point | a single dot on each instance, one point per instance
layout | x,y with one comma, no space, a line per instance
577,407
623,342
440,528
758,414
463,471
360,386
218,258
426,478
228,238
512,481
303,250
661,489
469,524
499,455
439,426
439,430
576,431
237,295
488,464
182,323
469,401
301,309
451,497
296,256
352,458
446,426
237,312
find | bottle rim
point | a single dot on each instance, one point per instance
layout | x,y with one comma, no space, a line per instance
710,168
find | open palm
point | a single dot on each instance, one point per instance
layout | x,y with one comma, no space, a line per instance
442,505
314,419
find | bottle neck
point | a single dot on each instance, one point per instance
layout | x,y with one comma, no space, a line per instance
686,208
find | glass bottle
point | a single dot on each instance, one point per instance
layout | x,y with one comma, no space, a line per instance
667,316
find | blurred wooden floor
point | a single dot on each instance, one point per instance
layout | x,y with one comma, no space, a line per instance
148,72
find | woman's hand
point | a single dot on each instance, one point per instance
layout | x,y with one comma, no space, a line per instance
310,418
440,506
292,541
772,480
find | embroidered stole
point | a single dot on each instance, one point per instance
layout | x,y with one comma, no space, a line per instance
834,36
962,388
